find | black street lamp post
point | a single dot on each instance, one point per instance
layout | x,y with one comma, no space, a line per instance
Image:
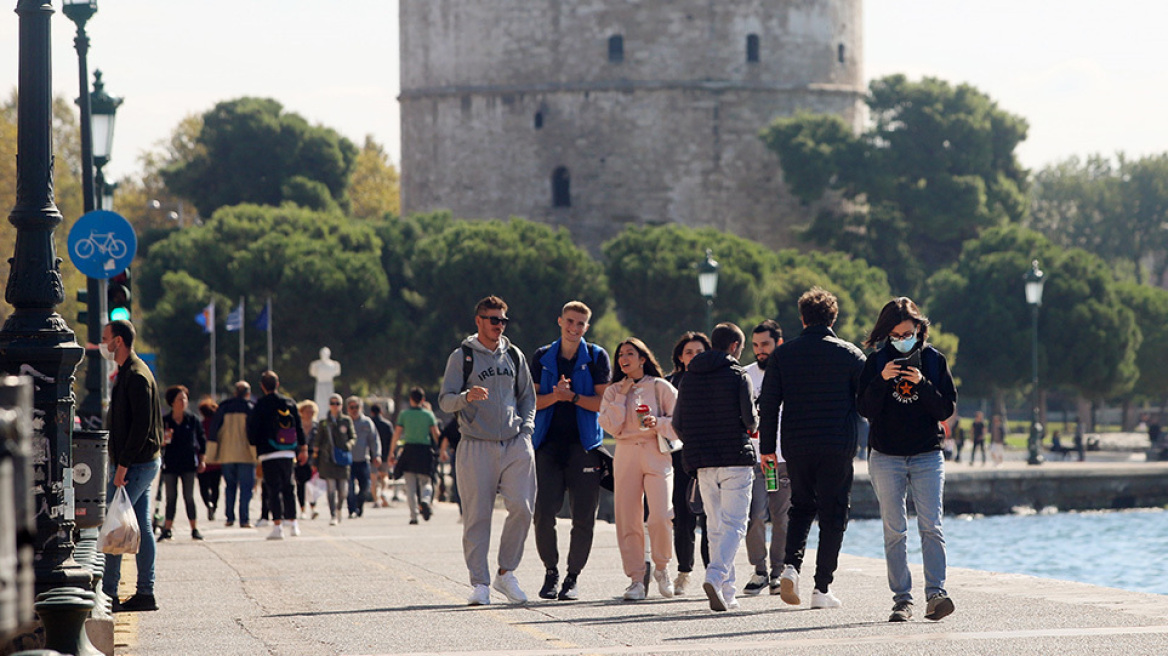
1034,282
708,286
35,340
103,110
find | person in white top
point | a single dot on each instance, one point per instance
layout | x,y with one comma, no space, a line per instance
764,339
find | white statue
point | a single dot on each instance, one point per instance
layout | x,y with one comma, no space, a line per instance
324,371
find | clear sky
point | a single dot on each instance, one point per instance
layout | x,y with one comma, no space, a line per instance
1087,75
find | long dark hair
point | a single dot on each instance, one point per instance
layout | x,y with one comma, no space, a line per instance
686,338
651,366
895,312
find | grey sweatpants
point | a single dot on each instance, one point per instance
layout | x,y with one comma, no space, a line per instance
484,468
775,505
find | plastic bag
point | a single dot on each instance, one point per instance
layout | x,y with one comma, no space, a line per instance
119,534
315,489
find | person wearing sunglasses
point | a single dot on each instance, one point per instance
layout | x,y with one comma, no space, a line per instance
335,436
488,384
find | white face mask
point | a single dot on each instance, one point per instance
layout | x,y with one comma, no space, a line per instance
105,352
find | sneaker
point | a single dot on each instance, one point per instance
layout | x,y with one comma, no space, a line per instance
413,521
262,523
277,533
480,596
664,585
824,599
166,535
425,508
139,603
775,584
246,525
756,584
679,584
901,612
211,513
939,607
789,585
195,534
728,597
509,586
333,521
717,601
295,528
315,513
569,591
551,579
229,523
635,591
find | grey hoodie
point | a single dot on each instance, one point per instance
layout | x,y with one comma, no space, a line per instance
501,416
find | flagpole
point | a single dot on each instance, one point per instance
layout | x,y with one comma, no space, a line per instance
241,329
271,367
212,327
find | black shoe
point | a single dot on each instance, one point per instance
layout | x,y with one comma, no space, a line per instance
569,592
414,522
195,534
550,579
210,513
425,508
139,603
166,535
901,612
115,605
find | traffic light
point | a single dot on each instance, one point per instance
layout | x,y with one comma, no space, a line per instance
118,296
83,303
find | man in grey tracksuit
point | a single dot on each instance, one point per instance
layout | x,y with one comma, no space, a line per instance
495,402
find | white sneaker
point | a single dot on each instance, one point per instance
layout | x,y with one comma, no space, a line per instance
333,521
728,597
295,528
789,585
635,591
277,533
824,600
679,584
664,585
480,596
509,586
717,601
756,584
262,523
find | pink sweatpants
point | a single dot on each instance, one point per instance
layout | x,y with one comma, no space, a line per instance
641,472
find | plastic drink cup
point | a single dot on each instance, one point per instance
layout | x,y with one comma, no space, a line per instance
643,412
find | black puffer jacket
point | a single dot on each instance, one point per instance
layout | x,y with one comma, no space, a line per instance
814,379
714,412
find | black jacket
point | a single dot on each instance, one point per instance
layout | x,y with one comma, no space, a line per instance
715,412
187,443
814,379
261,423
904,416
134,419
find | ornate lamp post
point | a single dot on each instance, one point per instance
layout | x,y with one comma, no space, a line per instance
35,340
708,286
1034,281
103,111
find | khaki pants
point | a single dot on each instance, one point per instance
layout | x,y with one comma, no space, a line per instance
642,473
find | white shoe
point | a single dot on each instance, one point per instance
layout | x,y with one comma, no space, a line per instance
635,591
295,528
333,521
277,533
679,584
509,586
262,523
480,596
789,585
824,600
728,597
664,585
717,601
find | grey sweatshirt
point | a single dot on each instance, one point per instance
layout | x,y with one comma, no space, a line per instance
502,416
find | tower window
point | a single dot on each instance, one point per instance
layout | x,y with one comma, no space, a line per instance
561,187
840,54
752,48
538,120
616,48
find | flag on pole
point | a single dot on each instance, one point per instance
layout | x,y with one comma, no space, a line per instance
206,318
235,319
261,322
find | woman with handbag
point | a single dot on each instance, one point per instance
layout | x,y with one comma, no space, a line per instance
637,410
332,448
685,519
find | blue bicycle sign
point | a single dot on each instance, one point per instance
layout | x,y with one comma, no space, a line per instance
102,244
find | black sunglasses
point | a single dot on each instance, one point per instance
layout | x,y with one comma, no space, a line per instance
334,402
495,321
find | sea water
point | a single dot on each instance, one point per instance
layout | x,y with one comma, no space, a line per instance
1118,549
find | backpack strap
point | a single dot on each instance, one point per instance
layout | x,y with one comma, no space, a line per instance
468,364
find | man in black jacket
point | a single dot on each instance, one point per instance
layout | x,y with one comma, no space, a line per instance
274,429
814,379
714,418
134,422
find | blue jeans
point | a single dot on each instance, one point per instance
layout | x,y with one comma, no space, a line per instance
239,475
138,480
893,477
359,485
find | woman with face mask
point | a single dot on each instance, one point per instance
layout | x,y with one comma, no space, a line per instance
905,391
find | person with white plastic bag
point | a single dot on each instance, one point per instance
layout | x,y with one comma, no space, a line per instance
134,422
119,533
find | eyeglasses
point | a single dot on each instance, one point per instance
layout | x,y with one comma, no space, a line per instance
901,337
334,402
495,321
353,407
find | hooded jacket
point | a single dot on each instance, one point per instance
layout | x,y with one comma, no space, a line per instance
502,415
905,417
715,413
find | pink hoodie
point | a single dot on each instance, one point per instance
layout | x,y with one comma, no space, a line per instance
618,412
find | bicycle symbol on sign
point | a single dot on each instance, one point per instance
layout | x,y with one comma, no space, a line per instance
103,242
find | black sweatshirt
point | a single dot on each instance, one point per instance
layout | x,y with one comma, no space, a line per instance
905,417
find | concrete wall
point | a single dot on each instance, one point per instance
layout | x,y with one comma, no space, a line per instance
670,134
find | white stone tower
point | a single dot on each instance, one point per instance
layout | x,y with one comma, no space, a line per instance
594,114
